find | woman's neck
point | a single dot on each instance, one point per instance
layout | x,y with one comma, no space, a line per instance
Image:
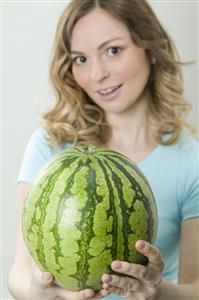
131,134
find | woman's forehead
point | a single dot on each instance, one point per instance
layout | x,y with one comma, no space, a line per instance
95,28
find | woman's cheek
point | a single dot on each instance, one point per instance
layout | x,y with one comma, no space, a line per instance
79,78
75,74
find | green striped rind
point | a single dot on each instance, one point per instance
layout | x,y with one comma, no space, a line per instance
87,207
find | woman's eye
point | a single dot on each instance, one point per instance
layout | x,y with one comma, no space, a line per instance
114,51
79,60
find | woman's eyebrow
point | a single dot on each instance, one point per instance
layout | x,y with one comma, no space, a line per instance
99,47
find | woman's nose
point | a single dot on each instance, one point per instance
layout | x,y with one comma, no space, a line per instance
99,71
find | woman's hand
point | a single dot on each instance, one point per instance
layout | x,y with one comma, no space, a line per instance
141,282
42,286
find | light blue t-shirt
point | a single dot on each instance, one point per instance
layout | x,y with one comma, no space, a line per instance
173,174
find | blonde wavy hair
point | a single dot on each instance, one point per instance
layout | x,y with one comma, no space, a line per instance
75,118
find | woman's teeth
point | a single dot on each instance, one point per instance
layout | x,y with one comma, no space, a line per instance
108,90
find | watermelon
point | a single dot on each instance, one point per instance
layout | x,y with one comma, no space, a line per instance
87,207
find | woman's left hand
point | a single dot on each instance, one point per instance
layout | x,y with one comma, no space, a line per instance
141,282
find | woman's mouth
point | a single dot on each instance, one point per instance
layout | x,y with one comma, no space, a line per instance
110,92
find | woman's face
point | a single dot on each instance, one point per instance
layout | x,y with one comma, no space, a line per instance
107,65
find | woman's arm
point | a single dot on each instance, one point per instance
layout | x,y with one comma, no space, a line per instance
188,281
22,259
189,252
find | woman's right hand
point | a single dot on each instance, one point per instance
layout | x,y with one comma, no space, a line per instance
42,287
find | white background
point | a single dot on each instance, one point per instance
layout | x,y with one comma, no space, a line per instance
27,35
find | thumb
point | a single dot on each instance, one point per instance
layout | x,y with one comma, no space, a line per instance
45,280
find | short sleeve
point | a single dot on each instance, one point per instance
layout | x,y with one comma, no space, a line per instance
37,153
190,187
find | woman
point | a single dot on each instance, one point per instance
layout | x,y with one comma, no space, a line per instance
118,84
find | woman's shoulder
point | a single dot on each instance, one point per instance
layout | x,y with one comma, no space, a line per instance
39,133
185,147
41,139
182,155
188,176
38,152
186,160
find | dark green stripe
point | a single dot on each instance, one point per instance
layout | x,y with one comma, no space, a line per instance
112,211
74,165
124,209
137,188
36,223
86,227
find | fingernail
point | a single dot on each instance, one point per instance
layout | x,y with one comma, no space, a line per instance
117,264
140,245
82,296
87,294
106,278
105,286
109,278
47,276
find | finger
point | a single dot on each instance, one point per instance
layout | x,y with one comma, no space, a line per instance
102,293
152,253
117,291
133,270
126,283
136,271
121,292
75,295
44,279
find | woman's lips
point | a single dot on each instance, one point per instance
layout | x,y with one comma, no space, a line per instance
110,93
